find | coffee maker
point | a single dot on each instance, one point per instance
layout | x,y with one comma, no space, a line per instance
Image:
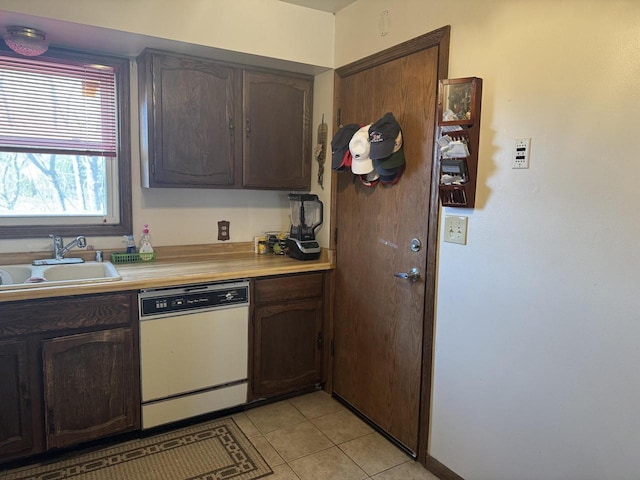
306,219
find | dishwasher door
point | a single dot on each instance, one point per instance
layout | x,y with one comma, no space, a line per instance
193,363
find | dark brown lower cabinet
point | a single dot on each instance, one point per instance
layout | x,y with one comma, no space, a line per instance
287,334
87,386
69,371
16,430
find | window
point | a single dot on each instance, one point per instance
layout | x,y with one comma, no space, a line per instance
64,145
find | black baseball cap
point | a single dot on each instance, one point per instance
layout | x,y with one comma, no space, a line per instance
340,145
383,135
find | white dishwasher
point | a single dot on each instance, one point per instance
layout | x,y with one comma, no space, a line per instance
193,350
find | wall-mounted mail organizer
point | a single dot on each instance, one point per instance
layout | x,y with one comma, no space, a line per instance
459,101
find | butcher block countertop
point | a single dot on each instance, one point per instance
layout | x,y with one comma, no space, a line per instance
175,266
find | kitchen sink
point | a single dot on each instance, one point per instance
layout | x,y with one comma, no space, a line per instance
14,274
81,271
28,276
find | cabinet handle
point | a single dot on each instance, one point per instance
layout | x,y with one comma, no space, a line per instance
51,426
24,392
248,127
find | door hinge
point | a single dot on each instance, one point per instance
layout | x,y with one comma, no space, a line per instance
332,349
319,340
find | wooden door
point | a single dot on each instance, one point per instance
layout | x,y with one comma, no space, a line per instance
88,386
276,131
381,366
16,435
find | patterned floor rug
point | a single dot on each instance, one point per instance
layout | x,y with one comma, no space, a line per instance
216,450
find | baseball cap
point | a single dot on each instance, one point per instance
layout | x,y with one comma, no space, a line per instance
393,161
382,136
346,160
370,179
392,178
340,146
361,163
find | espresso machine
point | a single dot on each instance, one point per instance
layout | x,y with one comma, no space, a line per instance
306,219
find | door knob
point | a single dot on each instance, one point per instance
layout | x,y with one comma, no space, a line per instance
412,276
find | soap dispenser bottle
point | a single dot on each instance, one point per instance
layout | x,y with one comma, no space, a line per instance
131,244
145,250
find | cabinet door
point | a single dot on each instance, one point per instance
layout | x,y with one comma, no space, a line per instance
277,131
16,435
287,346
88,386
192,139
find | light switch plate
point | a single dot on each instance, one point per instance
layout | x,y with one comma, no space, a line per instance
455,229
521,153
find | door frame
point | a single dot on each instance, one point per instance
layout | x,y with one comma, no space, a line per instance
439,39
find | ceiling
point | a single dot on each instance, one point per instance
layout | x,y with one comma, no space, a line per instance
325,5
70,35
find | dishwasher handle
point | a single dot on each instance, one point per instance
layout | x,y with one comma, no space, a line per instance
196,288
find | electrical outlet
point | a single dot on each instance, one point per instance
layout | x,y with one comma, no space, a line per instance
223,230
521,153
455,229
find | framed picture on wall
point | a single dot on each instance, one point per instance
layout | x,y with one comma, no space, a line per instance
456,101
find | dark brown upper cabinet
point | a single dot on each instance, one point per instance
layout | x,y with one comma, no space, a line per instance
189,114
207,124
277,123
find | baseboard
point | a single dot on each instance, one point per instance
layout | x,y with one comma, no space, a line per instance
441,471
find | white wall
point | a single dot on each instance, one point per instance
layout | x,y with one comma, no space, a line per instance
265,32
537,331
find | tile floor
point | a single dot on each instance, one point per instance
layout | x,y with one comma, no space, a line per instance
314,437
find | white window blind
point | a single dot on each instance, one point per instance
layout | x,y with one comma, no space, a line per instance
56,106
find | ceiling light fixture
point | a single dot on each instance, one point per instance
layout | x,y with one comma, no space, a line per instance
26,41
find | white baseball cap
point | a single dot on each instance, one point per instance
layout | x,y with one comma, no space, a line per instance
359,147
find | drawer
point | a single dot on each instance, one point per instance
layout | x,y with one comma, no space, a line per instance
66,313
290,287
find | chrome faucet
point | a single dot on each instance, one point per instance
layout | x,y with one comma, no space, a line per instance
59,248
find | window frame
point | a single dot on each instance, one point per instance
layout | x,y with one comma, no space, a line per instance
125,225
